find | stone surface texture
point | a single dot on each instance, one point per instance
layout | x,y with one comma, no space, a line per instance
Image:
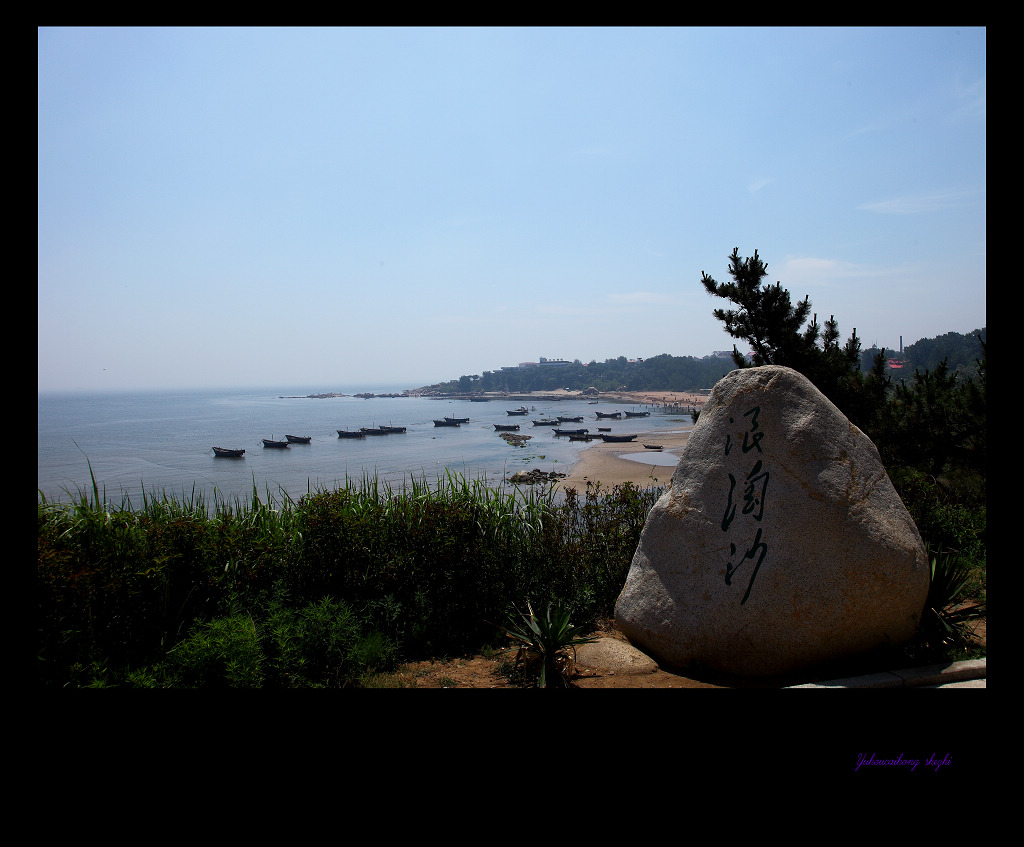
780,544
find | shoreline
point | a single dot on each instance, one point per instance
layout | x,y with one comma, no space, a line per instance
643,398
602,462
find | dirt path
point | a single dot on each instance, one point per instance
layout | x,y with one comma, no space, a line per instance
490,672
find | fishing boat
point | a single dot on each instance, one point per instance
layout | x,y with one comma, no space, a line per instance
391,429
571,431
457,420
652,446
522,410
604,429
445,422
267,442
345,433
638,414
618,438
506,427
585,437
372,430
545,423
227,453
299,439
608,414
566,419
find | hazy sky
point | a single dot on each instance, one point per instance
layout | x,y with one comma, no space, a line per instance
337,207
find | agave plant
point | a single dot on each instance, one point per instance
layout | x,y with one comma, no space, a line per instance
547,639
945,616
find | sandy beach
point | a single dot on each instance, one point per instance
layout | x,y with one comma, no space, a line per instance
602,462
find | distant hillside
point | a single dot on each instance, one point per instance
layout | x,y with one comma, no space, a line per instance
961,352
659,373
688,373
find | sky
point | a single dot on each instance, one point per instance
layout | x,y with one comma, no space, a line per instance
333,207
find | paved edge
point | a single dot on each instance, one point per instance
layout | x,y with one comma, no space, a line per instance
955,675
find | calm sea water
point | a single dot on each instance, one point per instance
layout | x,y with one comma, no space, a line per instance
163,441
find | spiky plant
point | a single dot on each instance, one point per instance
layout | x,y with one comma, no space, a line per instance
946,617
547,639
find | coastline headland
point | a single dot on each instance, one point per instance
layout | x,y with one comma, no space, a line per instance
681,400
366,395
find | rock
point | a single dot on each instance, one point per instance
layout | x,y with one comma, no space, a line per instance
610,655
780,544
535,476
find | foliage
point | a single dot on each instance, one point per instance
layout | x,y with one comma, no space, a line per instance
774,328
656,373
326,591
936,423
547,638
959,351
222,653
948,612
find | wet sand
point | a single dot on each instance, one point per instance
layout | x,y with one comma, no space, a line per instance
601,462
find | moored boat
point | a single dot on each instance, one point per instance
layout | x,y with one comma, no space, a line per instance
299,439
267,442
345,433
571,431
545,423
567,419
372,430
653,446
391,429
585,437
506,427
445,422
638,414
457,420
608,414
522,410
617,438
227,453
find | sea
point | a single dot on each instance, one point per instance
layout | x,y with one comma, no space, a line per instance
161,442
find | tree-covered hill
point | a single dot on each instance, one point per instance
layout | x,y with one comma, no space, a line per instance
659,373
961,352
689,373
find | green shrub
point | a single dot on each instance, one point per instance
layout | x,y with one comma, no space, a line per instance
547,640
222,653
314,592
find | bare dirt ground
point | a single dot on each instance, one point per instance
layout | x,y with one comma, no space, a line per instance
480,671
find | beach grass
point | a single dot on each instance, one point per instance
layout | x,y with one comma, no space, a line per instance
182,591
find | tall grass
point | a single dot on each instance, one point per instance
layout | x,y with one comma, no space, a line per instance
127,593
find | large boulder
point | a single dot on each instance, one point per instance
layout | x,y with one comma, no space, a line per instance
780,544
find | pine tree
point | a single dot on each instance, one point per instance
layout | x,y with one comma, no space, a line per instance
774,328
